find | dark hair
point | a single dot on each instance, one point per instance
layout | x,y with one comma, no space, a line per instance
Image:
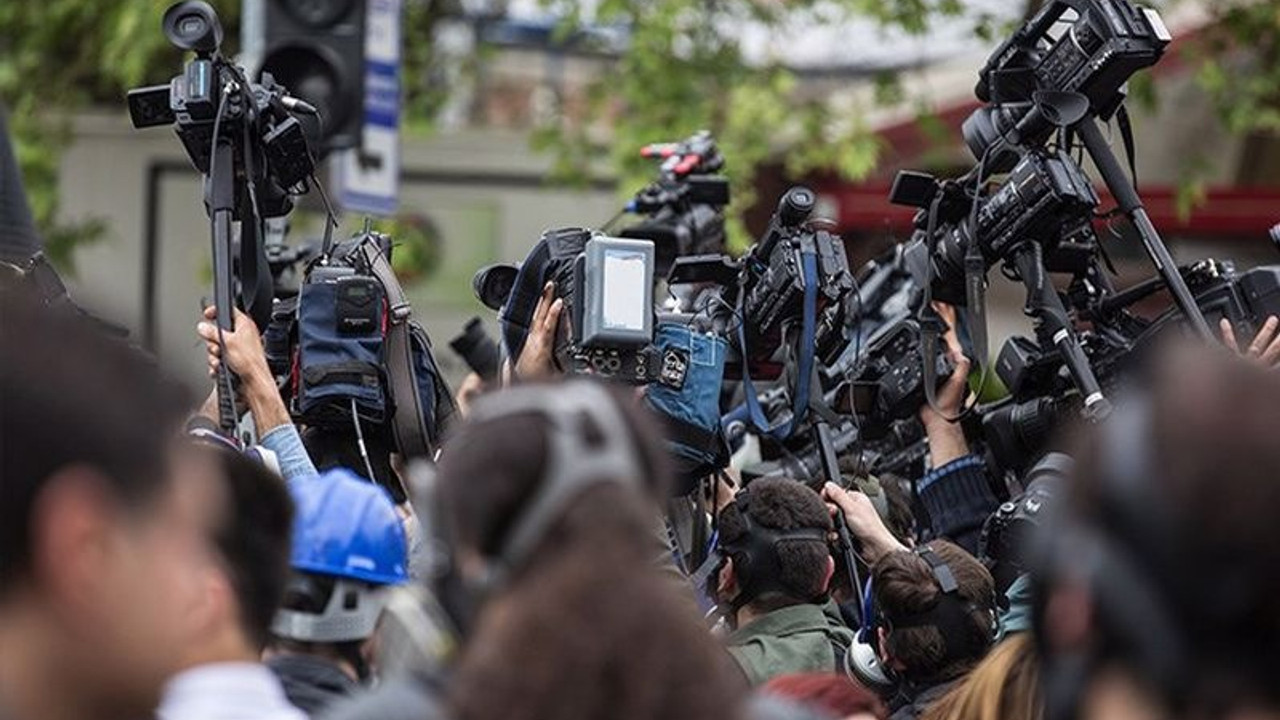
782,504
1204,536
904,584
590,627
830,693
338,447
253,539
72,395
311,593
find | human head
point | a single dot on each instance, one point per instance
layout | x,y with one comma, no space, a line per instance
348,547
774,538
1006,684
833,694
251,539
105,516
928,633
1159,588
577,620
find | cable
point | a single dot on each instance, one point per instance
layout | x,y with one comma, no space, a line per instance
364,451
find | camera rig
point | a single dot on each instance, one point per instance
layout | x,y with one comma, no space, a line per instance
249,145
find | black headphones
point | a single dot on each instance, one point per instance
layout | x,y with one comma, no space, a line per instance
951,615
755,556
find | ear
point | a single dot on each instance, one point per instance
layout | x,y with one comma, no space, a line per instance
727,582
886,657
831,570
72,525
215,601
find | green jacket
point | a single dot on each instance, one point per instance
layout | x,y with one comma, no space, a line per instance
799,638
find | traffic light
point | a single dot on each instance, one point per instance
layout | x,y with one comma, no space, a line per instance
315,48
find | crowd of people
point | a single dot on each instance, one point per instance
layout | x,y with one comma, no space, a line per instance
152,568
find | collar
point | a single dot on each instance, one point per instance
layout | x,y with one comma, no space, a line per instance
226,691
790,620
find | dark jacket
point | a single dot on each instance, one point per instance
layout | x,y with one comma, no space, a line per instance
920,700
312,684
799,638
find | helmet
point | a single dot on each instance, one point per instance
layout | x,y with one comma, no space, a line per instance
347,530
348,527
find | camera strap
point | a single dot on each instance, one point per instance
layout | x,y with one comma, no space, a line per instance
800,400
407,422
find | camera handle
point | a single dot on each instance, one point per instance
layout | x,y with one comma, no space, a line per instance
221,184
1052,324
1130,203
831,472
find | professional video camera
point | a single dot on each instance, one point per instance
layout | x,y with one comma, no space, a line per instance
684,207
250,147
479,351
1037,82
798,271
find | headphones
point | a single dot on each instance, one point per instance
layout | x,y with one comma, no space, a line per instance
756,563
951,615
576,462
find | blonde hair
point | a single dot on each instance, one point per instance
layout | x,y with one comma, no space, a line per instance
1006,684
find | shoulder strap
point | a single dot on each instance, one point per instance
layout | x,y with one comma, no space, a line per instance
407,424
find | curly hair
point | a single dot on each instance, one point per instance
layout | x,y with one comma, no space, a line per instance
782,504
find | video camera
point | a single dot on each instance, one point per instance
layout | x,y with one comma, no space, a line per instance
749,301
1036,82
253,153
684,207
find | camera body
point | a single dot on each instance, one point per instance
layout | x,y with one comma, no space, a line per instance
684,208
1047,198
1027,76
212,92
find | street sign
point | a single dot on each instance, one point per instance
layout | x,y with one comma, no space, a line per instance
369,176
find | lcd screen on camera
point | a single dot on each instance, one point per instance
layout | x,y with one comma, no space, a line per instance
624,290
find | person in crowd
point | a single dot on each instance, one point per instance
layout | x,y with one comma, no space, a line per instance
246,358
1006,684
223,677
1159,584
105,515
562,611
955,494
935,621
831,693
773,581
348,547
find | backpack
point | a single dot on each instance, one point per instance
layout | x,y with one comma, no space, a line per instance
349,347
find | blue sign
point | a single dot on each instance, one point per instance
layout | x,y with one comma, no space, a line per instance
369,176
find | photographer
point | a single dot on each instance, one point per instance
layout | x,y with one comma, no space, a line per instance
104,514
258,390
551,579
935,606
1158,588
955,493
773,582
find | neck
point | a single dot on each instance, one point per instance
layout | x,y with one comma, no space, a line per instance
224,644
35,671
332,658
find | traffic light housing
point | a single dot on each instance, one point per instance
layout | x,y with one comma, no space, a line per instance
315,48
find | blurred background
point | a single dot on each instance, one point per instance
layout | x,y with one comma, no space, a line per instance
513,116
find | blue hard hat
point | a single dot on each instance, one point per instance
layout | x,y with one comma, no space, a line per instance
348,527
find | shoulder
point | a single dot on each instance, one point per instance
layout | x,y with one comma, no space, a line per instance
399,698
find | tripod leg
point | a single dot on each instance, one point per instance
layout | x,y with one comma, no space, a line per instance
1127,196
